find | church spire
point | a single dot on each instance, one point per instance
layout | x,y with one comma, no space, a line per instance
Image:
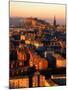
54,23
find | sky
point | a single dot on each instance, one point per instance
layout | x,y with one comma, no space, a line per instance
43,11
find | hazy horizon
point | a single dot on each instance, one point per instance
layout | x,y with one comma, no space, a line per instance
43,11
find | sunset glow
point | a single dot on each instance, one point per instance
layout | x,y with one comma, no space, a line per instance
44,11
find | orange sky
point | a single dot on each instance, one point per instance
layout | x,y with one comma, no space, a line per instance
47,11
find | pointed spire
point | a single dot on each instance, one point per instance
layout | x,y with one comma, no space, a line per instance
54,21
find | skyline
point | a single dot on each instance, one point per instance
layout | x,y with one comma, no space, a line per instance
22,9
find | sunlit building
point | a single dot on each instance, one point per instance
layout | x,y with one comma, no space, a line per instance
19,82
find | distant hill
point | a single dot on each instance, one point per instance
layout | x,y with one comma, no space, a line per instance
18,21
